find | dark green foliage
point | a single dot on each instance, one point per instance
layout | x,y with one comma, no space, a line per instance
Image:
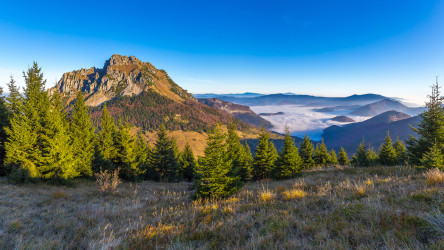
39,134
187,163
372,157
127,155
306,152
14,99
434,158
343,157
360,159
430,130
266,155
106,145
333,158
387,154
4,123
164,159
401,154
321,155
57,148
240,163
82,137
212,174
289,162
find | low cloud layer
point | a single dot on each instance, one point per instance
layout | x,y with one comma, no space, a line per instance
301,120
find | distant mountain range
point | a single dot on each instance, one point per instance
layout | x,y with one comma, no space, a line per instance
385,105
372,130
305,100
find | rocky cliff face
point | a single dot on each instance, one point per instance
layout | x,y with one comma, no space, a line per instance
120,76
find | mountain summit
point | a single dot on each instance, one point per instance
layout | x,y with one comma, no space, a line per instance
120,76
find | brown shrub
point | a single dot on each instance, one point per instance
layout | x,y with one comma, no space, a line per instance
108,181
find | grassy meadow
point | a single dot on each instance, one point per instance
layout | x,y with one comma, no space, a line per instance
364,208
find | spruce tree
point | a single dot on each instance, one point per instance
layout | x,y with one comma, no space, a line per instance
343,158
321,155
165,162
289,162
387,154
126,158
401,154
264,158
27,145
144,154
187,163
82,137
430,129
14,99
240,167
57,151
360,159
333,158
306,152
372,157
434,158
212,175
4,123
106,145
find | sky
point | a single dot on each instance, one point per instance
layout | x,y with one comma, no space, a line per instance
325,48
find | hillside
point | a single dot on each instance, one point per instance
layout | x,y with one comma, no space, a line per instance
350,208
137,92
372,130
385,105
342,118
241,112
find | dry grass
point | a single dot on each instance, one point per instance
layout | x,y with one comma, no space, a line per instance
434,176
398,210
294,194
266,195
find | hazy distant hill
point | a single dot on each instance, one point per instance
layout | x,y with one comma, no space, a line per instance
305,100
342,118
372,130
380,107
241,112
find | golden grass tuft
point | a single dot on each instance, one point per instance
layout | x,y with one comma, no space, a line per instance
361,190
266,195
434,176
294,194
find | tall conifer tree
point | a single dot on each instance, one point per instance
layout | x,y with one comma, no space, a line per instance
212,175
165,158
4,123
343,158
387,154
333,158
289,162
360,159
401,154
126,158
240,167
430,129
187,163
82,137
264,157
14,99
321,155
106,145
306,152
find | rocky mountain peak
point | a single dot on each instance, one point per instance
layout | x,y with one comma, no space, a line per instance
120,76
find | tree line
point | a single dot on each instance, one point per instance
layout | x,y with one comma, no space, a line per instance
41,140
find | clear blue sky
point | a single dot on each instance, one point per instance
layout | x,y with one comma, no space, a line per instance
330,48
